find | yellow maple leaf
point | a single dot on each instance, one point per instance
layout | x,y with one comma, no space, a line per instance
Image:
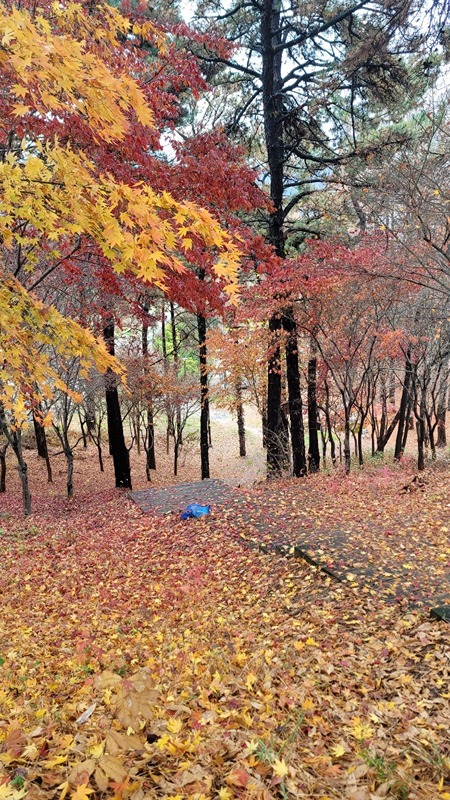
8,792
96,750
280,767
338,750
251,680
82,792
64,789
174,725
361,730
20,109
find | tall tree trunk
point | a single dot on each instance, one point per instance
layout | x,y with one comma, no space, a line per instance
41,439
23,472
384,411
441,440
360,445
90,412
14,438
42,447
176,452
150,426
68,452
347,451
240,419
295,397
385,430
273,133
420,426
274,439
323,439
82,427
313,449
264,427
118,449
204,409
392,384
329,426
3,450
409,424
382,441
100,455
406,391
430,432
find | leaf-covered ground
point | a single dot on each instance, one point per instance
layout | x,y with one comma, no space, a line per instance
146,657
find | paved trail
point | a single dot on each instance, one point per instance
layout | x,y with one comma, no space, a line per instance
398,558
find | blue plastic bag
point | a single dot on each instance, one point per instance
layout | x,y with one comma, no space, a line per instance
196,511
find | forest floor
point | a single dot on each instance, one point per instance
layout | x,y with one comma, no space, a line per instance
146,657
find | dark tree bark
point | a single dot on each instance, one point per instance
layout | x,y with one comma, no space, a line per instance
41,439
295,399
313,449
14,438
409,424
347,451
329,425
3,450
240,420
420,414
402,419
272,98
42,447
382,440
264,428
274,439
272,105
385,430
441,440
118,449
23,471
204,398
149,439
392,384
83,429
90,415
323,439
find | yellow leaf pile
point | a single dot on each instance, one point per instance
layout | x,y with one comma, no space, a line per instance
160,661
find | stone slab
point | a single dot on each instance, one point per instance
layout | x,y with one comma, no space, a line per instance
441,612
210,492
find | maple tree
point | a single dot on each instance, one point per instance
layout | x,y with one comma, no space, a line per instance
67,92
52,192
